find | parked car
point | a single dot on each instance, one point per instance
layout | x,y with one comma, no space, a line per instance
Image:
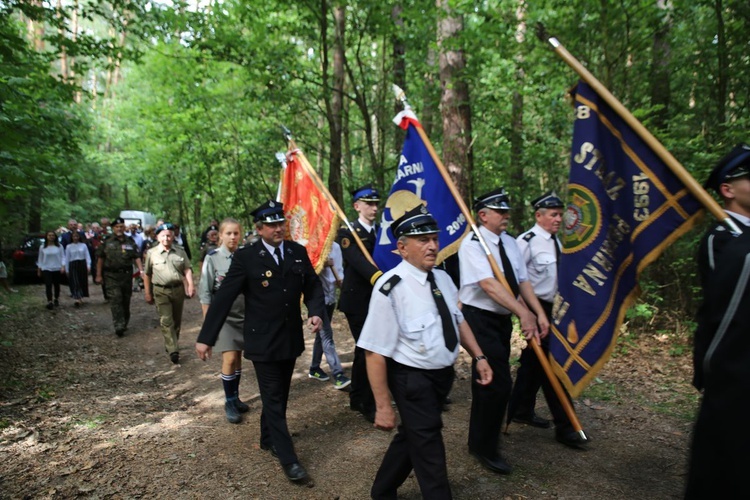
24,259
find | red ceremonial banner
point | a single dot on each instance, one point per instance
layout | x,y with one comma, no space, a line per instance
311,220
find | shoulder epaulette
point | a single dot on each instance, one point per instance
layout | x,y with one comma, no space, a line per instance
213,251
388,285
528,236
474,237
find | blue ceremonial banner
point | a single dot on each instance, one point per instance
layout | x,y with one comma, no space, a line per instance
624,208
418,180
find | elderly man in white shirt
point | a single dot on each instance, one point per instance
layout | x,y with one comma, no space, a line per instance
410,339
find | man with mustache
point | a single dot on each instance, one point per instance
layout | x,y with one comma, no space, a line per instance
411,340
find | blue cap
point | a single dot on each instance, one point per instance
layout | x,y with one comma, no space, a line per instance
496,200
547,200
415,222
734,165
365,193
270,212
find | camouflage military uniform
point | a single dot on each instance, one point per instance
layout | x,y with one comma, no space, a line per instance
118,254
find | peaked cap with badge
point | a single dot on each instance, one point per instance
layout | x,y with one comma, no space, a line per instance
496,200
365,193
270,212
547,200
415,222
734,165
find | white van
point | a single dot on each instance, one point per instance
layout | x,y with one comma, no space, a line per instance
142,219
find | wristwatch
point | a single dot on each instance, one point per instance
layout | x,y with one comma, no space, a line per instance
480,358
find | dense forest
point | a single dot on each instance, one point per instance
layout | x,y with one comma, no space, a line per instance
176,108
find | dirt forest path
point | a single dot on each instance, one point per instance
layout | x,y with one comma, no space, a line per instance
84,414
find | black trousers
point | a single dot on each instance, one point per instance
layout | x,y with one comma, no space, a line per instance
274,380
488,403
360,396
52,280
418,445
529,378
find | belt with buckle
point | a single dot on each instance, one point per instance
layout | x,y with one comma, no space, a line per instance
169,286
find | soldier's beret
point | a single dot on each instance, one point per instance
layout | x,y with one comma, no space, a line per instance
163,227
118,220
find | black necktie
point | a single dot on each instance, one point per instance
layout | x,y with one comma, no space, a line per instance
449,331
510,276
277,253
557,251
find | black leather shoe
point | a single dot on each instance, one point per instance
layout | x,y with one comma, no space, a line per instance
241,407
270,448
369,415
571,439
295,472
534,421
175,357
120,332
233,414
497,464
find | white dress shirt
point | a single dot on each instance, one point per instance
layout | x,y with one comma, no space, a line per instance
475,267
405,324
541,261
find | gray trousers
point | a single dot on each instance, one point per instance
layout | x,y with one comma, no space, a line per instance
324,344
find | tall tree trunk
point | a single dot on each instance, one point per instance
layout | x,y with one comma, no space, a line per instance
63,51
660,91
722,75
454,101
337,105
74,38
428,110
516,126
399,68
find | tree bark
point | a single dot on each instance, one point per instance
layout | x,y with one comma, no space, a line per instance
454,101
515,169
337,104
399,68
660,91
722,74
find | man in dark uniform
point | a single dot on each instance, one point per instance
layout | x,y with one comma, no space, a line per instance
359,277
487,307
540,250
721,440
411,340
115,257
274,274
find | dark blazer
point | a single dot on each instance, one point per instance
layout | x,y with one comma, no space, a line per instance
710,253
359,273
273,317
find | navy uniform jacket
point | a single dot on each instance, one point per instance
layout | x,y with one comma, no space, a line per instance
273,318
359,274
710,252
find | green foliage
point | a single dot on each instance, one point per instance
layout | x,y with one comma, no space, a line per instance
191,130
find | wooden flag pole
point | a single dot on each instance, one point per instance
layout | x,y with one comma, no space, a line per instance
534,343
670,161
329,197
